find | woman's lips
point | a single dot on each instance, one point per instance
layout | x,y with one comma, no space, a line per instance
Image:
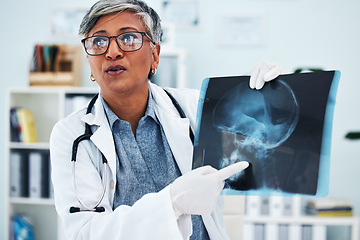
115,70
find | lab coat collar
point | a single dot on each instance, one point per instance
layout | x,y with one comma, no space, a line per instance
176,130
97,115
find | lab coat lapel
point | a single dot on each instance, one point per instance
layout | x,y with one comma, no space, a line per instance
102,136
176,129
177,133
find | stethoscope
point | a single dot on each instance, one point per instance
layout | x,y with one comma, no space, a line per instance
86,136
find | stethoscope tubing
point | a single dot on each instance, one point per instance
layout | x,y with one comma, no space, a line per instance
102,192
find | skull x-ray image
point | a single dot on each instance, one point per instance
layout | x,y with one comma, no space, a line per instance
282,130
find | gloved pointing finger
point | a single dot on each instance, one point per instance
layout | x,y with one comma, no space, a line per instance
228,171
197,191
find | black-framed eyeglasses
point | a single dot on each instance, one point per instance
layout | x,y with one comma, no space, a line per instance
127,42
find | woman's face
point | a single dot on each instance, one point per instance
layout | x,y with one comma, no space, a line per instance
119,72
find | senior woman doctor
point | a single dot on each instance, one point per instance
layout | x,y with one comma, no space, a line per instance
151,191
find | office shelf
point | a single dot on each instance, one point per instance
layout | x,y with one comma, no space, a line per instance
48,105
255,220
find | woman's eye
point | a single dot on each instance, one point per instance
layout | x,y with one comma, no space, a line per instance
99,42
129,39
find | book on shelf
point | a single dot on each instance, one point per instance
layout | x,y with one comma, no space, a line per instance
22,228
22,125
329,208
44,58
14,125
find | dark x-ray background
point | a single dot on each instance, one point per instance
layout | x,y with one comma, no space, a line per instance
291,167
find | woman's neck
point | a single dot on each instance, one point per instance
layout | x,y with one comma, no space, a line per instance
130,108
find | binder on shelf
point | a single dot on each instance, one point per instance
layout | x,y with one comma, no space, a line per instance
51,186
319,232
272,231
264,205
276,206
38,175
253,205
283,232
307,232
18,174
253,231
288,206
249,231
294,232
259,232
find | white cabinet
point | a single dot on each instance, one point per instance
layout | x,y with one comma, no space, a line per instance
48,106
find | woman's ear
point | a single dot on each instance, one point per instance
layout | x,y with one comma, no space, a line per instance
155,56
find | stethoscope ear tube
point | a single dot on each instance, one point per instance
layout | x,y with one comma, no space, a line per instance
85,136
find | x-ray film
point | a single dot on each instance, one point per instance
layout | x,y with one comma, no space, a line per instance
283,131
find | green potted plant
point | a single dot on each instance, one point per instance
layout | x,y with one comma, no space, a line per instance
352,135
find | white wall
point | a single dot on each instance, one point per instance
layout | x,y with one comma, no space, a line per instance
315,33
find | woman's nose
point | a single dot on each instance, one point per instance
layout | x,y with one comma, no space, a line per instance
114,51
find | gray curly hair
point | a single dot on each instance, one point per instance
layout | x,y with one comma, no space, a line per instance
145,13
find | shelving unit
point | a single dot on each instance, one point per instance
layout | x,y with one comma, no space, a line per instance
48,105
67,67
296,217
352,222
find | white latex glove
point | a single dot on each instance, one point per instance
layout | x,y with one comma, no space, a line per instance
264,72
197,191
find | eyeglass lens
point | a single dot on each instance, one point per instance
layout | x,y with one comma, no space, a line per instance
130,41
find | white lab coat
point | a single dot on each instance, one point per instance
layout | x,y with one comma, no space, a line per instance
152,216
